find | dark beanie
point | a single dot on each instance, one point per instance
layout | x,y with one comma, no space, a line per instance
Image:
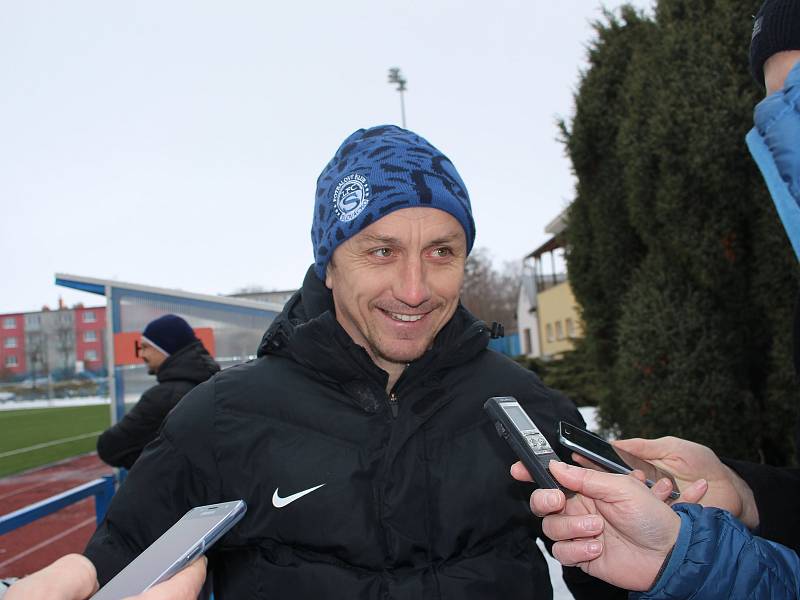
776,29
377,171
169,334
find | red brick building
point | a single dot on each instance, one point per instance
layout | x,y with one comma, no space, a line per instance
12,344
47,341
90,324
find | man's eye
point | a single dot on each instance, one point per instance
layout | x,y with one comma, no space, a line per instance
442,252
382,252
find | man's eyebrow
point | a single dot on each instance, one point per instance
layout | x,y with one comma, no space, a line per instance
369,239
445,239
388,240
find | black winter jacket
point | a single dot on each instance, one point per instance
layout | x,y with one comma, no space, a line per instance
121,444
416,500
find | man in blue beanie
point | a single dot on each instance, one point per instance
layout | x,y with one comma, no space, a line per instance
358,437
171,352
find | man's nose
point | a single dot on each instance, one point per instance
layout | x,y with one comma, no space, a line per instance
411,285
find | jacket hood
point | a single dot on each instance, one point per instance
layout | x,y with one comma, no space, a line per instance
190,363
308,331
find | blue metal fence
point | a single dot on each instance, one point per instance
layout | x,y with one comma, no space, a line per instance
102,489
508,345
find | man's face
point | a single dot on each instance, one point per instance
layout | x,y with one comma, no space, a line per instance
151,356
396,283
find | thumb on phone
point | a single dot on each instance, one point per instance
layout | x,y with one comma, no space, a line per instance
644,449
185,585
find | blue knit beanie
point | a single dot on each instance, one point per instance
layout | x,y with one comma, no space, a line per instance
169,334
377,171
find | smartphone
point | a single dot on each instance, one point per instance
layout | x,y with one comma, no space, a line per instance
190,537
515,426
600,452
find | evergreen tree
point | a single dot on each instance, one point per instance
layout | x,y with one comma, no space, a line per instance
696,325
603,247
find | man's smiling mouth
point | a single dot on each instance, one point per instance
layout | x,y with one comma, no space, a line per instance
403,317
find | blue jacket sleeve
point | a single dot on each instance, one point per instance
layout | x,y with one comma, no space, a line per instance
716,557
773,142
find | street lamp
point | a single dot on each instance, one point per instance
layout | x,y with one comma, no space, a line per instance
395,76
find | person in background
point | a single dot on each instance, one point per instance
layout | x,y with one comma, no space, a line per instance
179,361
774,141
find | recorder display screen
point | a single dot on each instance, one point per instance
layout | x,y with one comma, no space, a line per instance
518,417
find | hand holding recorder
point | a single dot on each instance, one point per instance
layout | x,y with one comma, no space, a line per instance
613,523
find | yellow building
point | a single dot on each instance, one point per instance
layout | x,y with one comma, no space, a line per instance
559,321
547,308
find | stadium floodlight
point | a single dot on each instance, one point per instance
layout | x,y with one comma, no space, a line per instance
395,76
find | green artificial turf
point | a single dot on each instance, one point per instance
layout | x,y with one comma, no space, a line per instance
24,428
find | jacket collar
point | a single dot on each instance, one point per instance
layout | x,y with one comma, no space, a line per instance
190,363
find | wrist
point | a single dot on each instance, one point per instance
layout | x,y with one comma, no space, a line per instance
71,577
666,544
78,569
89,572
749,513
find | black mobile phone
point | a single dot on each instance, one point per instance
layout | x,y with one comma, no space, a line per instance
600,452
515,426
177,548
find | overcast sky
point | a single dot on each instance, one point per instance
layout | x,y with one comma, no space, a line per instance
177,143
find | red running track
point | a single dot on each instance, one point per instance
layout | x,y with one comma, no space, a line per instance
36,545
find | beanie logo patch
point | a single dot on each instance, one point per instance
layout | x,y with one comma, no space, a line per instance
350,197
757,27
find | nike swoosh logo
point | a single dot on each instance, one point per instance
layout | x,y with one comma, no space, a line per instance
279,502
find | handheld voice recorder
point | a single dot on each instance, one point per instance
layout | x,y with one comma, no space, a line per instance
515,426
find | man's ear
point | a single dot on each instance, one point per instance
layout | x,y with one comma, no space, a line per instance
328,277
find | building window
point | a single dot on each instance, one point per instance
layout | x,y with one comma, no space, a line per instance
11,361
570,328
89,317
10,342
90,355
550,332
559,331
32,320
527,340
89,336
9,323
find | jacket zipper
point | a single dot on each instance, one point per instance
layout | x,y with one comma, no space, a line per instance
394,404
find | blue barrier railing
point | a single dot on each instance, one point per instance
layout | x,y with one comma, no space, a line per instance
102,489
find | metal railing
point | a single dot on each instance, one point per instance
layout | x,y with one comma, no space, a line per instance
102,489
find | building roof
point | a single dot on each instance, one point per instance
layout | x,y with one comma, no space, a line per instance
101,286
554,243
559,224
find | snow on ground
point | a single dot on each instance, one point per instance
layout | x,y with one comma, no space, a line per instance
53,403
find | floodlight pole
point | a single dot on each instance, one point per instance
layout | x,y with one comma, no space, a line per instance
395,76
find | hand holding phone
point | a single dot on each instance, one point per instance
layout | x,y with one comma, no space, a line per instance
184,585
601,453
177,548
